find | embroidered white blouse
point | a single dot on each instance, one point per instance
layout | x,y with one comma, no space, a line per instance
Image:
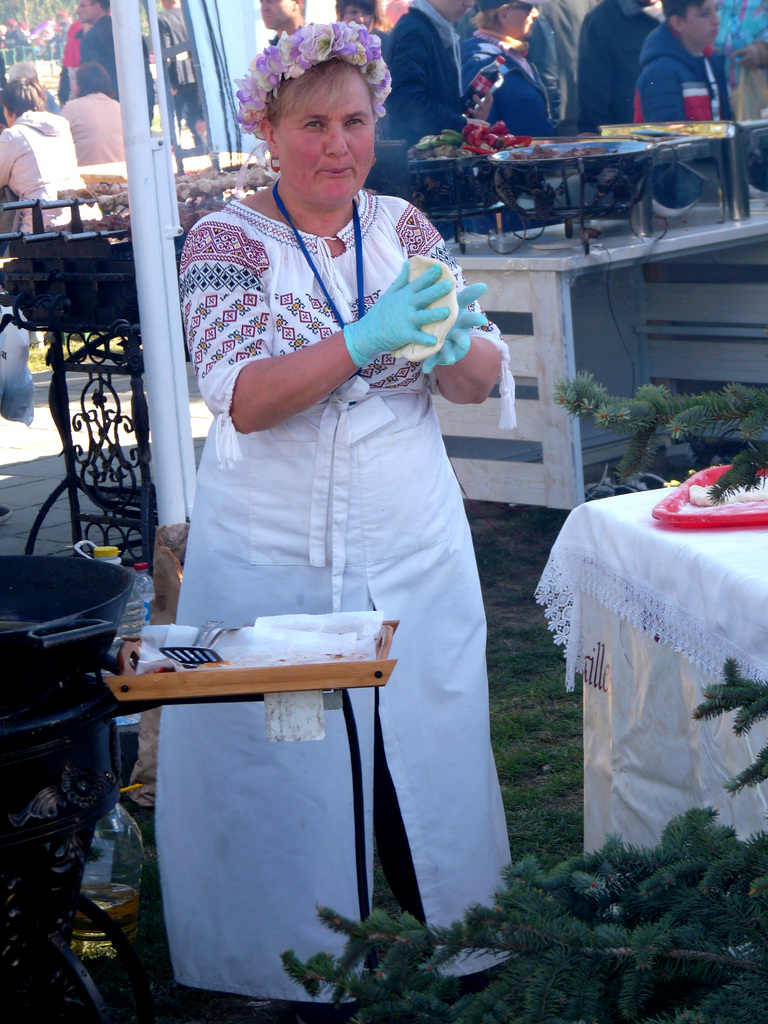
248,292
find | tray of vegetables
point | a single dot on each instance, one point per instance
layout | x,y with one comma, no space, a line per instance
473,140
450,174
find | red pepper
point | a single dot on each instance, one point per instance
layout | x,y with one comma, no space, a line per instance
499,128
483,150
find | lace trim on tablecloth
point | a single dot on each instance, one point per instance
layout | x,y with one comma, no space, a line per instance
571,572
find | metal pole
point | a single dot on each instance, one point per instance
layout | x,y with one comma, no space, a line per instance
154,226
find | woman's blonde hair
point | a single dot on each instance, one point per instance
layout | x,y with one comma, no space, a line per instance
292,92
488,18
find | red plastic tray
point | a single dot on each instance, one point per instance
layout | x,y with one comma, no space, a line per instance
676,509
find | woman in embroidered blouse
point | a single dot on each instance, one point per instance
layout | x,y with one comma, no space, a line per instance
324,486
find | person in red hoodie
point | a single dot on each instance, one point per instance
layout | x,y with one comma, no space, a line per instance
680,79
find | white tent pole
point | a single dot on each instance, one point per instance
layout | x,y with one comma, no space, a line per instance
168,202
154,225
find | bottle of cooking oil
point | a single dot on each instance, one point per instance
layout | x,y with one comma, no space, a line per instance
112,879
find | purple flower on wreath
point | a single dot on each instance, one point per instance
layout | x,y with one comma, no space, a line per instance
309,45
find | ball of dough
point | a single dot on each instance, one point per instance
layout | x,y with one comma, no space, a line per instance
415,353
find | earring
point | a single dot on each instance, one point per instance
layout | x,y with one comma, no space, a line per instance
374,159
274,164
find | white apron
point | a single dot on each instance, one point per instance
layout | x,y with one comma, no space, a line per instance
350,506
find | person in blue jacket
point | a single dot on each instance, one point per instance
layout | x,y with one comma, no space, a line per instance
680,78
424,61
521,100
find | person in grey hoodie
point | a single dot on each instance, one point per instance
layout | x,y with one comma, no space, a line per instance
37,154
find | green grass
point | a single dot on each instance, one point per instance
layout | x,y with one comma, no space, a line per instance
537,740
37,358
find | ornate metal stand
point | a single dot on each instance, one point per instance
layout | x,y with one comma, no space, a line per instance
101,463
79,288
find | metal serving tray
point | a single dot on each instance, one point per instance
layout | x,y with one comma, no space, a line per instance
555,179
740,148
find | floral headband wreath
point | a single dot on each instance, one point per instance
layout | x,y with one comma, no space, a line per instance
296,53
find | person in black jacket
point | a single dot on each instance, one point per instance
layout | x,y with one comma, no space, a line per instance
97,44
612,35
542,53
424,62
565,18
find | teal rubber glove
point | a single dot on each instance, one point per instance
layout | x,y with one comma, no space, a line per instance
397,318
457,340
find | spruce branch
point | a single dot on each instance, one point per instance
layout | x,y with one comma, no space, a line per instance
737,409
621,933
749,700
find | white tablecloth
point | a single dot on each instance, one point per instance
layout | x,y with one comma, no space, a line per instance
704,592
649,614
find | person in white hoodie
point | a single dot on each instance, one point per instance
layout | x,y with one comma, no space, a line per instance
37,153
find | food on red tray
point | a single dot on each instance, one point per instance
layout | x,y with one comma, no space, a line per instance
678,509
698,495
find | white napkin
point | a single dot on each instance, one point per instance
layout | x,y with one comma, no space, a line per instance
362,627
273,640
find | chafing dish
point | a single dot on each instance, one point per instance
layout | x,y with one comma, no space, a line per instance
690,164
453,187
556,180
737,149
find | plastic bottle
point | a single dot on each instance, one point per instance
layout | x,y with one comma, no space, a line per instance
106,553
145,587
135,618
112,879
482,83
134,615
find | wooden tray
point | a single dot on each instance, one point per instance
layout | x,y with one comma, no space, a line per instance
212,684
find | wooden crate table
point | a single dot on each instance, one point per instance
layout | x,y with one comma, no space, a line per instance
690,303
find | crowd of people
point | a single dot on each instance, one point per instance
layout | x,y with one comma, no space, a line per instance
86,39
571,65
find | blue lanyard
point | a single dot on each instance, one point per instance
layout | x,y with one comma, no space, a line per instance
308,258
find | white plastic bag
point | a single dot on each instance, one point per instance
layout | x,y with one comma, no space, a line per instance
17,389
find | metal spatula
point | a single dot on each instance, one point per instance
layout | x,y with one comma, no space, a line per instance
197,653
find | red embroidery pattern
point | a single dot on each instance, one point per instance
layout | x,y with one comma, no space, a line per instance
218,241
397,378
417,234
233,313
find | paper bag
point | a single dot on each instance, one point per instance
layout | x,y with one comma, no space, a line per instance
168,569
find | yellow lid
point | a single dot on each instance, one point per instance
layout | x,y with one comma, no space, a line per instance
106,551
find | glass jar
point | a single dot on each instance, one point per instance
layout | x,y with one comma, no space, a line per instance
112,879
